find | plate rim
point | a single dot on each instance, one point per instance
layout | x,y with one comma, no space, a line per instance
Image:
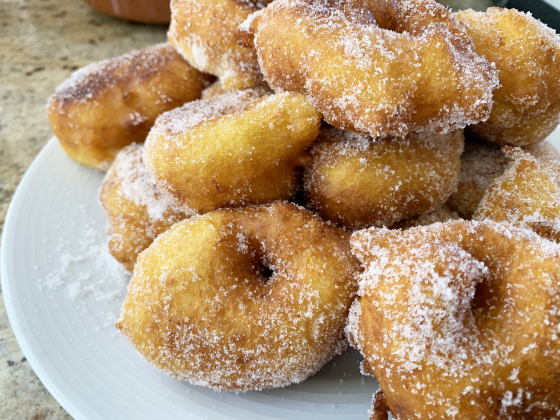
8,236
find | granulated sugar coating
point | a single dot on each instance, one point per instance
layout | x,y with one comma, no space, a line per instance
481,164
460,320
179,120
526,53
204,32
358,182
84,274
379,68
526,195
108,105
244,299
232,150
137,210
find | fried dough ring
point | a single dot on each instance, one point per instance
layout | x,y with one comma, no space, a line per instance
527,54
357,182
460,320
381,68
481,164
526,195
232,150
204,32
137,210
108,105
244,299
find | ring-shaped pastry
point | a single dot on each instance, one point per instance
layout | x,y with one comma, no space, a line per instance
526,52
233,149
137,210
108,105
357,182
459,320
243,299
204,32
381,68
526,195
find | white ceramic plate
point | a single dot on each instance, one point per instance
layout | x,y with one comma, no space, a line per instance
63,293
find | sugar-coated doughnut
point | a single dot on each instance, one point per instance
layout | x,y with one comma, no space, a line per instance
204,32
481,164
233,149
358,182
137,210
243,299
108,105
384,67
526,52
526,195
459,321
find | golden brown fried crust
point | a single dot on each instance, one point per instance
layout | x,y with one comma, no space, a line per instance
108,105
252,298
460,320
481,164
375,67
137,211
357,182
526,195
232,150
379,408
204,32
527,54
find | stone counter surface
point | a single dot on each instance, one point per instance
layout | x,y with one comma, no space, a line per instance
41,43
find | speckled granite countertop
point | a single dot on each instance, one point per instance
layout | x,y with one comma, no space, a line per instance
41,43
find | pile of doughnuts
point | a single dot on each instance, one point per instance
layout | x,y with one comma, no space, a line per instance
286,177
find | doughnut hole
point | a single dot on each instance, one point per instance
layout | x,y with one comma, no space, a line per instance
263,267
